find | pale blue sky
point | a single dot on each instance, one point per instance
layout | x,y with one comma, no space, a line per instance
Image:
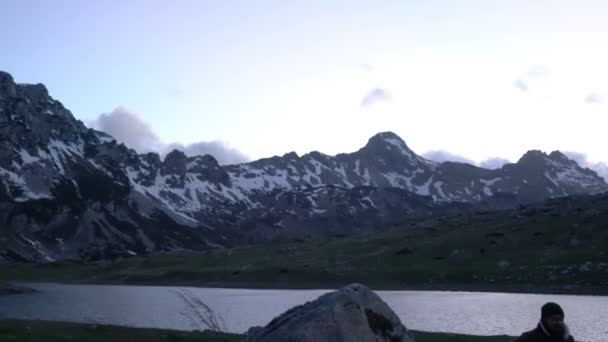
476,78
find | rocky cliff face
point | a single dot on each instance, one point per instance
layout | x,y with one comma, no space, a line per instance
67,191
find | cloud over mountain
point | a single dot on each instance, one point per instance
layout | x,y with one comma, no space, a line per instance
130,128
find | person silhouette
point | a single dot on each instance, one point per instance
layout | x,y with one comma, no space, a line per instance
551,327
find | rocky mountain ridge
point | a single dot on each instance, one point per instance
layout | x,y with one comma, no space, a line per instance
70,192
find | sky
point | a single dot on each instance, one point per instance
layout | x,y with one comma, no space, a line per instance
481,81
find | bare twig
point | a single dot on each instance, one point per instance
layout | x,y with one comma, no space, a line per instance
199,313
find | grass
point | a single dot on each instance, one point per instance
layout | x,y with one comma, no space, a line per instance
439,337
529,250
30,331
34,331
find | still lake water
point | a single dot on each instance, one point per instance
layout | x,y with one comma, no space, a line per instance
151,306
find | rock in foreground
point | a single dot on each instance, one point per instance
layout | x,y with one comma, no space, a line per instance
352,314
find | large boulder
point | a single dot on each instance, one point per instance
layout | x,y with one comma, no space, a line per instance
352,314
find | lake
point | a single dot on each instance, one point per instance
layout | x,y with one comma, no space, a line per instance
474,313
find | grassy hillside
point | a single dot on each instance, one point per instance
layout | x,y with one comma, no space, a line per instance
559,247
438,337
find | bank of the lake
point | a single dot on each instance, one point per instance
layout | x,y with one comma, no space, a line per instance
467,313
488,251
549,289
189,269
11,289
536,251
33,331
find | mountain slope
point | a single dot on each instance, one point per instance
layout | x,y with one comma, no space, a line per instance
67,191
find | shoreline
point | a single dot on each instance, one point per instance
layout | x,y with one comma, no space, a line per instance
8,289
529,289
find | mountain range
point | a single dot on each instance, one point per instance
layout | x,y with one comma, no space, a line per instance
71,192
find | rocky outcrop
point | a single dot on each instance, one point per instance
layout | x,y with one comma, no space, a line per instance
351,314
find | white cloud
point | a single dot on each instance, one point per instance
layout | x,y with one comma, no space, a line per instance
530,77
221,151
494,163
592,98
441,156
131,129
374,96
521,85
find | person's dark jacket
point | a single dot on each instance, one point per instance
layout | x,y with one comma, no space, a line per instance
540,335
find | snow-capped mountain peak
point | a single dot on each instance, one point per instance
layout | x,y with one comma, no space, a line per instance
60,181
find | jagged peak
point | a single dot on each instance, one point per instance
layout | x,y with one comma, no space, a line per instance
291,155
386,142
558,155
206,159
7,85
320,156
174,163
175,154
533,155
4,74
36,91
384,139
152,157
387,136
542,157
39,106
8,88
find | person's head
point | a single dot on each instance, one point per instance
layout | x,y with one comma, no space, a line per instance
552,317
